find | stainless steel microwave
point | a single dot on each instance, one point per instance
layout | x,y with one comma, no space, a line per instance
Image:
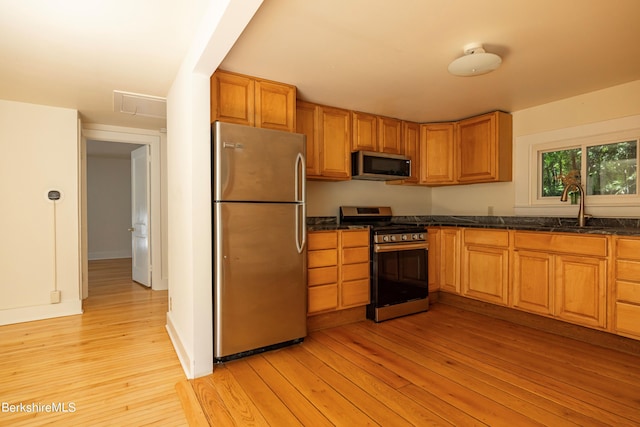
379,166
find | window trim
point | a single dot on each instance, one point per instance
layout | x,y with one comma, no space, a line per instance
528,148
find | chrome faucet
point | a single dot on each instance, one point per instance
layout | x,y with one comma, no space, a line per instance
572,180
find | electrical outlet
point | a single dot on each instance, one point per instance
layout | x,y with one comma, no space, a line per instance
55,297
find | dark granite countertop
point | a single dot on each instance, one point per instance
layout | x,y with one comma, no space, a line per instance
328,223
616,226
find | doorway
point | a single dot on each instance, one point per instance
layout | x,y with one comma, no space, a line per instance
109,148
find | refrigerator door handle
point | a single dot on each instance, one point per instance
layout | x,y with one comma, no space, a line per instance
301,235
300,179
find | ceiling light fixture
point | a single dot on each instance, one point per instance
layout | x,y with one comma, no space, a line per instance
476,61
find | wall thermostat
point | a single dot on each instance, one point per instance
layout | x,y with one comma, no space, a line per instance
54,195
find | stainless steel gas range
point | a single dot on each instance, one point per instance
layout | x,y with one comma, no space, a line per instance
399,281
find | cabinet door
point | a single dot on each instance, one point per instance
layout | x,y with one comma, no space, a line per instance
334,135
411,143
306,124
322,298
450,260
626,304
275,106
532,282
484,148
437,154
365,133
389,135
354,293
476,161
580,284
232,98
485,274
433,260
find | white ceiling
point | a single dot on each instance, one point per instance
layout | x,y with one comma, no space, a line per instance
378,56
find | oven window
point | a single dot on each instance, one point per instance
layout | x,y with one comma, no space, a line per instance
401,276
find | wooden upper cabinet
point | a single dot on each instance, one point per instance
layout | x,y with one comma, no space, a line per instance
306,124
411,149
275,105
250,101
390,135
484,148
365,132
334,134
328,132
437,154
232,98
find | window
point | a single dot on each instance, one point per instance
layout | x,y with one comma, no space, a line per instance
610,169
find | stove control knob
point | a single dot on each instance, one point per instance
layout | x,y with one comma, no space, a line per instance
393,238
414,236
422,236
385,238
404,237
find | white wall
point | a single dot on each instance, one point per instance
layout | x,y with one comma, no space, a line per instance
109,207
190,317
38,152
325,198
476,199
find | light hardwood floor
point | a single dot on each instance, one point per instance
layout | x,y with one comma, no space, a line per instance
445,367
115,362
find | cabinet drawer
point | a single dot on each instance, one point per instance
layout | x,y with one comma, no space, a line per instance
355,238
355,292
355,255
486,237
628,248
562,243
322,258
628,318
628,270
628,292
322,298
322,240
355,271
322,276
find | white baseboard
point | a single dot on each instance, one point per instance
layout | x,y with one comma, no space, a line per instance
183,355
39,312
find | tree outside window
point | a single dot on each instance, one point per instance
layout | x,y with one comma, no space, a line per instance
611,169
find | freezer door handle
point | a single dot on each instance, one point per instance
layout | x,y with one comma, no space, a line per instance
301,232
301,182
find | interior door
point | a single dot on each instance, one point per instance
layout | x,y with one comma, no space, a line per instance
141,257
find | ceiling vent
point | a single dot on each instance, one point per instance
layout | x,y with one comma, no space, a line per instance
136,104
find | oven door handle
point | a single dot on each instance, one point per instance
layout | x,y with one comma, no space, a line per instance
394,247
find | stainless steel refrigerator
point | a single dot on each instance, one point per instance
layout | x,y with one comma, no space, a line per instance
259,239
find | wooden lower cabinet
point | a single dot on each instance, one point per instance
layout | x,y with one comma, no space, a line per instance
532,278
627,286
485,265
338,270
581,284
449,260
561,275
